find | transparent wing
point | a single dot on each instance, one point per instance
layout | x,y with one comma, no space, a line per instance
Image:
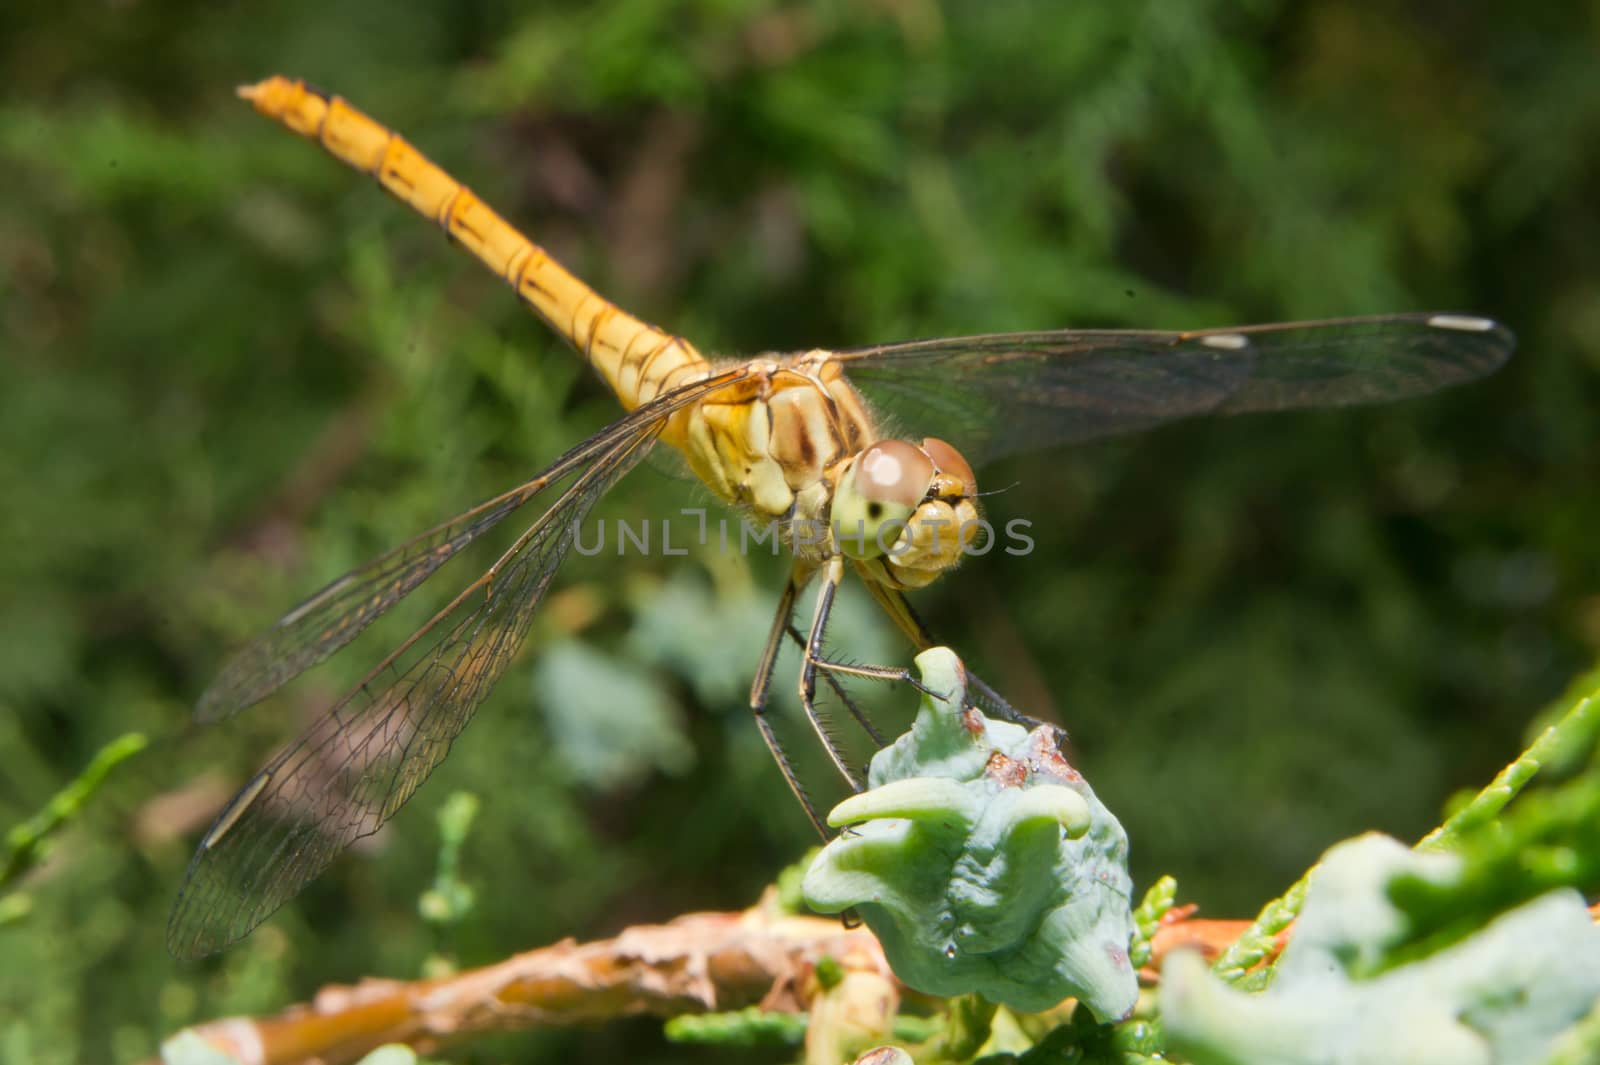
337,614
334,616
350,772
353,769
994,395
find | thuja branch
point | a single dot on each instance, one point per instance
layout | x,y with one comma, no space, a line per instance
696,963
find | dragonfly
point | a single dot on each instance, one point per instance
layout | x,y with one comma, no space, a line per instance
825,445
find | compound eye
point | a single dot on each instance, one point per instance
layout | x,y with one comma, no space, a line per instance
950,461
893,471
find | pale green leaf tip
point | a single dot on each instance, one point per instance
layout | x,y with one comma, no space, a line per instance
984,862
188,1047
1502,996
1052,805
914,798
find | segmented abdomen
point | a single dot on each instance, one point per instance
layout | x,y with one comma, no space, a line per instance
636,359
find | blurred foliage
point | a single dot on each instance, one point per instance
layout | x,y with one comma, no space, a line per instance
1503,993
1548,838
187,1048
27,844
233,370
1147,917
739,1028
450,900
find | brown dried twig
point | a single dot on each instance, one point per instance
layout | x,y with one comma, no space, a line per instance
697,963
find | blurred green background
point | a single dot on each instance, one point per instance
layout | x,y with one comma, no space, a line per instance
232,369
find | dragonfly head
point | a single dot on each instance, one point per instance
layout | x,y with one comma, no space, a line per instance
912,505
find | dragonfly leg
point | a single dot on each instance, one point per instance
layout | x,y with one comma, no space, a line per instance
979,693
761,687
813,663
985,698
844,696
828,668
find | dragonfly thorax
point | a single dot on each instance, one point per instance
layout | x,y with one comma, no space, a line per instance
772,444
796,445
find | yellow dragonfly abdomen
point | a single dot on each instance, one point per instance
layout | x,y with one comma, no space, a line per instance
638,361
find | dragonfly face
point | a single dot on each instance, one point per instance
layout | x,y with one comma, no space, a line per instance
914,506
792,439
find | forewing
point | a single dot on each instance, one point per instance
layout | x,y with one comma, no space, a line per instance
334,616
349,773
994,395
